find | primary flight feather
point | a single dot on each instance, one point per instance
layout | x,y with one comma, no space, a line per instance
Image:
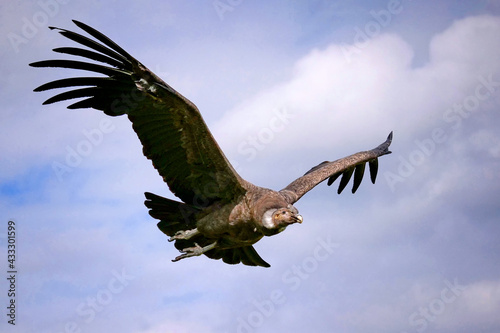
221,215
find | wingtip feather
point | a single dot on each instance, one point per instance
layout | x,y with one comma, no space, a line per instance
373,165
358,176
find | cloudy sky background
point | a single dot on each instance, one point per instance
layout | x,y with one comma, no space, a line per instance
283,85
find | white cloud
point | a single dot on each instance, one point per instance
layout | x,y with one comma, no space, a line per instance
330,101
478,306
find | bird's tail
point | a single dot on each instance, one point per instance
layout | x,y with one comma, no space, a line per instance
173,215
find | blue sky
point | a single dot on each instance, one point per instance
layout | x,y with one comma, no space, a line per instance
283,85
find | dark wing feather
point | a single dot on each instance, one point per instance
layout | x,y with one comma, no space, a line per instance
347,166
173,133
89,55
251,257
247,255
359,171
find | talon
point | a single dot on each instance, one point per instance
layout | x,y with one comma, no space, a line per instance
177,235
184,234
194,251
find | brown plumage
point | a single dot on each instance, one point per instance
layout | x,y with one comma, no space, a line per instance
221,215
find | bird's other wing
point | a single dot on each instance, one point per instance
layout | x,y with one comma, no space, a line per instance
247,255
171,129
347,166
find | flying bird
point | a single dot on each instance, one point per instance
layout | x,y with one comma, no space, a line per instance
220,214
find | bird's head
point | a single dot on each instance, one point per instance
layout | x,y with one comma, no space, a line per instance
276,220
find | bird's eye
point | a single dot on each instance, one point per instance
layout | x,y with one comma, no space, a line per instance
283,213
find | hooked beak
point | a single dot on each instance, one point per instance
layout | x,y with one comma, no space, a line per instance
298,218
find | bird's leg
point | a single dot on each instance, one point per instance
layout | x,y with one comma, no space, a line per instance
194,251
184,234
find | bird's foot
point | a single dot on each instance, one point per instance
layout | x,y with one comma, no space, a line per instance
184,234
194,251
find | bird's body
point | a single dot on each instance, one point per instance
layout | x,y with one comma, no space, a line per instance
221,214
234,225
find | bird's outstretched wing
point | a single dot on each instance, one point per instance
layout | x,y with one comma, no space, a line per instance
173,133
347,166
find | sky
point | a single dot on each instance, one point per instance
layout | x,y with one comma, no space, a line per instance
283,86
